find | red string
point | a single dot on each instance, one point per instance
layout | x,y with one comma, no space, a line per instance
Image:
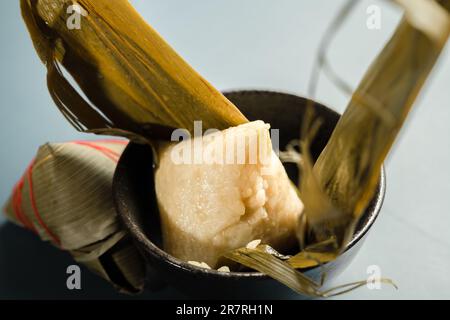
17,206
114,156
35,209
114,141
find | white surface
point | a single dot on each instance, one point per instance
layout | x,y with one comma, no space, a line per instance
271,45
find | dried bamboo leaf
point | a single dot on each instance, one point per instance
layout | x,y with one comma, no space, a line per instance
348,169
275,268
259,259
305,259
315,255
133,80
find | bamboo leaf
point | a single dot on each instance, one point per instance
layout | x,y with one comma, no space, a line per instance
133,80
347,171
275,268
259,259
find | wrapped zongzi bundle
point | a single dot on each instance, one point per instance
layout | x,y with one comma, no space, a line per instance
219,192
65,198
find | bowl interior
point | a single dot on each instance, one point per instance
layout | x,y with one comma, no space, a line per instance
133,185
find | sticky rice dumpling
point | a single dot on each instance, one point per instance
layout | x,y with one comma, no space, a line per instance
219,192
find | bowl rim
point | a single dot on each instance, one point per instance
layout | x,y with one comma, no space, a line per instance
159,253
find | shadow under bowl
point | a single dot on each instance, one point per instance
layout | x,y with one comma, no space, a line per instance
136,204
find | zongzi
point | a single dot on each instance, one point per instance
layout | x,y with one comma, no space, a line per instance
212,207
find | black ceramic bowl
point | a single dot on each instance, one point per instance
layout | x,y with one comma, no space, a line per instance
135,200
